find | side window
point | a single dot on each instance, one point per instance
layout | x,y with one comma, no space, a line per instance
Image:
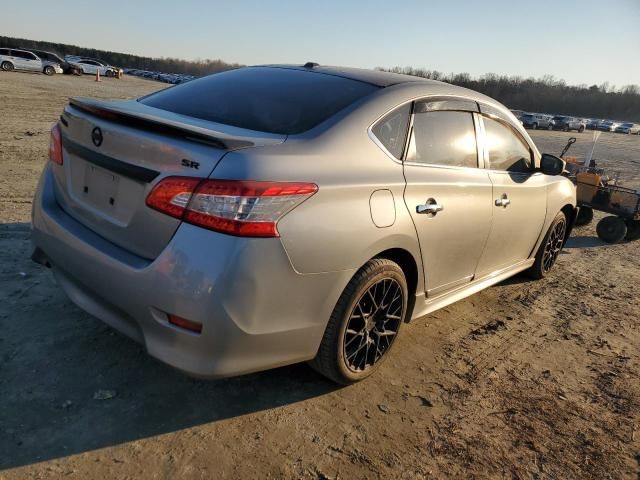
506,151
391,130
443,138
4,51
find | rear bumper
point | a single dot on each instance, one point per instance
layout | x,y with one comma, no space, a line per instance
257,312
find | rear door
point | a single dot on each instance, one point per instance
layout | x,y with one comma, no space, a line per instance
519,199
19,63
26,61
447,194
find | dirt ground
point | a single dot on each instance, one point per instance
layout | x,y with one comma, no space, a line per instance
523,380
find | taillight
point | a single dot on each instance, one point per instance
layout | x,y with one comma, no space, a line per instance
55,144
236,207
172,195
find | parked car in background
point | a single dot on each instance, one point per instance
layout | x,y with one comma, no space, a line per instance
592,123
265,216
173,78
90,65
604,125
52,58
537,120
565,124
629,128
93,66
607,125
17,59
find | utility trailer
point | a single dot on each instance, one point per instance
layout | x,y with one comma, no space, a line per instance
595,190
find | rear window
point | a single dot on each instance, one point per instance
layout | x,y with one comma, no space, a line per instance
273,100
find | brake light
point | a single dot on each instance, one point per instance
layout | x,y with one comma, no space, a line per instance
172,195
236,207
55,144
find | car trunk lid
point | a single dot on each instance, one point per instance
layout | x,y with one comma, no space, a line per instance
115,152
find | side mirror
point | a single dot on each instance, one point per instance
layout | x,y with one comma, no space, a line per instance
551,165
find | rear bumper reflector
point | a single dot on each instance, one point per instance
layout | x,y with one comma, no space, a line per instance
184,323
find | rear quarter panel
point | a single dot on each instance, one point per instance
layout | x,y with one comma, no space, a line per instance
333,230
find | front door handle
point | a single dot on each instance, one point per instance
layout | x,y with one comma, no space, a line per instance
503,201
431,207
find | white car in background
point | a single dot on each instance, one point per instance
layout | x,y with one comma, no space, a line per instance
91,66
16,59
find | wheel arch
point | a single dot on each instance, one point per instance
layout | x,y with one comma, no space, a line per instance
570,212
409,266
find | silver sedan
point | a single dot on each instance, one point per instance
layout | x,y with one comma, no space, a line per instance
278,214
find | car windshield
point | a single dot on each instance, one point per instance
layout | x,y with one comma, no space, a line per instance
267,99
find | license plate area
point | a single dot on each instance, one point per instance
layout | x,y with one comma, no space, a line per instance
100,187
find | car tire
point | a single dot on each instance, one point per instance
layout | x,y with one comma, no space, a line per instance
611,229
354,345
584,217
565,128
550,248
49,70
581,129
108,73
534,126
7,66
549,127
633,230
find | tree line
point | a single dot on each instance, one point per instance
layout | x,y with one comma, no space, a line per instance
546,94
165,65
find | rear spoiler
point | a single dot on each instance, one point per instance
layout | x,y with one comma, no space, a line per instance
140,116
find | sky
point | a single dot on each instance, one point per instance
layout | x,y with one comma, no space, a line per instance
579,41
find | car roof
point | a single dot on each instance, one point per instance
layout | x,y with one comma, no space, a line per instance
14,49
373,77
42,51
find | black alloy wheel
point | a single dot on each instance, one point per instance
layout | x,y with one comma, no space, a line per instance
373,324
554,244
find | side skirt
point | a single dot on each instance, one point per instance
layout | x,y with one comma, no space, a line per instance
427,305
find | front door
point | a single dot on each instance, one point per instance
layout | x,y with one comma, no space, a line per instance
448,196
519,198
88,67
33,63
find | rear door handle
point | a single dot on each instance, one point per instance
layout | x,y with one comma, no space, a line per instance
431,207
503,201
